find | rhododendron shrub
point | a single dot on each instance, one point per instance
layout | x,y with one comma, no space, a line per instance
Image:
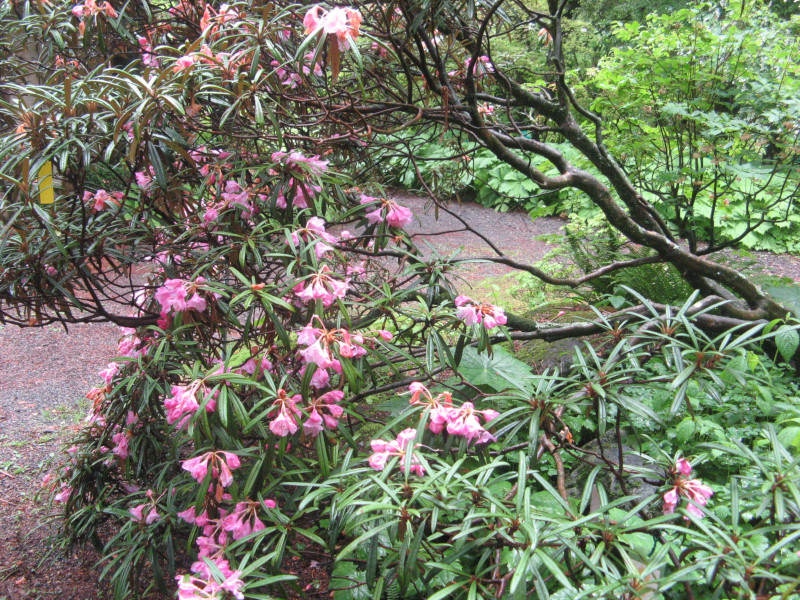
293,372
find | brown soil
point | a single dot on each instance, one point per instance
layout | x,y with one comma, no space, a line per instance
45,372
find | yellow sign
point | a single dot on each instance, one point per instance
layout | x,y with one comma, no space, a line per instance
46,192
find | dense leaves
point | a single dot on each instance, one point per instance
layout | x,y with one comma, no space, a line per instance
294,373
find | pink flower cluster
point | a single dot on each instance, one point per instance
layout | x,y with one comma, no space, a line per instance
233,194
394,215
146,513
321,286
129,344
178,295
314,232
183,403
383,451
90,8
221,464
474,314
461,420
212,19
285,422
244,519
240,523
196,588
101,199
323,411
692,489
299,167
184,62
344,23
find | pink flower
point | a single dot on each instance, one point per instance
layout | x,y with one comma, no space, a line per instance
439,406
321,286
396,215
473,314
322,342
383,450
144,180
692,489
120,445
138,513
344,23
211,215
324,412
314,231
220,463
320,379
102,200
313,18
197,588
461,421
178,295
483,66
63,494
183,403
243,520
297,164
184,62
464,421
90,9
236,194
108,373
285,423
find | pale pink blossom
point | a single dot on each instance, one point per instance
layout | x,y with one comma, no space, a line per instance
483,66
244,520
296,163
108,373
321,286
144,180
693,489
285,423
101,199
178,295
314,232
120,445
138,513
63,494
344,23
148,59
197,588
464,421
324,411
90,8
439,406
387,210
383,451
461,420
322,343
183,403
473,313
236,194
221,464
184,62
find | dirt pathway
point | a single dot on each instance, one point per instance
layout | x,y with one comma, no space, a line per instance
44,374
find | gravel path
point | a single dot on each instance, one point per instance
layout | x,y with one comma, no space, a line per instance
44,374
